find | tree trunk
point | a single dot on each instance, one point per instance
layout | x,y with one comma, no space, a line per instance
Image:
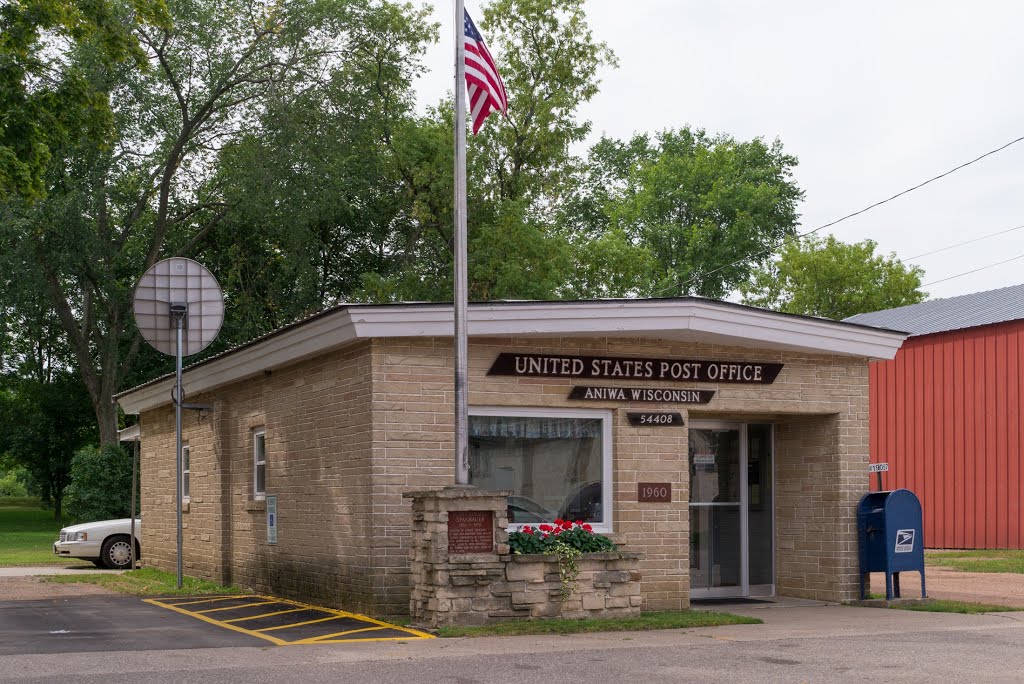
106,418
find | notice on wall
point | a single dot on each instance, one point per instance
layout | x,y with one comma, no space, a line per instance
470,532
272,519
621,368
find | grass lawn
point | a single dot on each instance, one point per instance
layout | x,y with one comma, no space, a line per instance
27,533
985,560
675,619
145,582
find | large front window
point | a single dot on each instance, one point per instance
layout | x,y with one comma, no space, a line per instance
557,463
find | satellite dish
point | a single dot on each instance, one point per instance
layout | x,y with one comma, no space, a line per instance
173,288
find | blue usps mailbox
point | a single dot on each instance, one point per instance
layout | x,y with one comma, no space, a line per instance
891,535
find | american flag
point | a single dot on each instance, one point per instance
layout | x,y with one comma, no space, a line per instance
486,89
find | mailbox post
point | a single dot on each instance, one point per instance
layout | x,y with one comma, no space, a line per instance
891,533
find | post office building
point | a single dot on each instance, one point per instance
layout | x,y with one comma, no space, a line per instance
726,444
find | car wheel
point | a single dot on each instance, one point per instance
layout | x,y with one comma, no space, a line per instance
117,552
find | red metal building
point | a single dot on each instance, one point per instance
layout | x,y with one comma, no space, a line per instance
946,416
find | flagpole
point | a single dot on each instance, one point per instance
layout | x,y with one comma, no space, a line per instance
461,287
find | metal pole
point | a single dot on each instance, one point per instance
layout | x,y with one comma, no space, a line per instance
461,287
179,324
878,475
135,470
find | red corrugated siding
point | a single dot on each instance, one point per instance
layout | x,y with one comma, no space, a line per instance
946,416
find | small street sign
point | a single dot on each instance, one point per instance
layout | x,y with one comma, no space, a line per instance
878,468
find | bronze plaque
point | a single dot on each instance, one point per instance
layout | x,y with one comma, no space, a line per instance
658,492
470,532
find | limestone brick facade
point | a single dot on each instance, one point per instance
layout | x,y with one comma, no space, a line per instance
350,430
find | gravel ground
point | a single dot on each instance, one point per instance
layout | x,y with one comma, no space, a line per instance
32,588
1000,588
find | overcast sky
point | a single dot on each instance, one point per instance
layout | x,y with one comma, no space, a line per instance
872,97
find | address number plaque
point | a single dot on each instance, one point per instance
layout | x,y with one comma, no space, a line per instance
655,419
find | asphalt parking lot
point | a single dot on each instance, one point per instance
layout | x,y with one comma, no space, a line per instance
128,623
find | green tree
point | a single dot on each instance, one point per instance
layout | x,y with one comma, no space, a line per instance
115,208
698,211
833,279
516,167
316,196
43,425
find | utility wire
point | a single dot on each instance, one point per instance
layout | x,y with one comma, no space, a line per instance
965,242
982,268
784,241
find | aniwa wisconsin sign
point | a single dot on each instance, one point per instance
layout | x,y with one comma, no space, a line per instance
622,368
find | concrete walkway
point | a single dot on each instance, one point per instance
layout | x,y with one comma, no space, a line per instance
37,570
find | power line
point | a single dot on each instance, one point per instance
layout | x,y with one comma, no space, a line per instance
965,242
856,213
982,268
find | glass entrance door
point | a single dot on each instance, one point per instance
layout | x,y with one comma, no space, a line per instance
731,525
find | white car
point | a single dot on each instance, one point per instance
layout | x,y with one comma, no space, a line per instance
105,543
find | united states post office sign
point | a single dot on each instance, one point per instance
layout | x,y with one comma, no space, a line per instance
623,368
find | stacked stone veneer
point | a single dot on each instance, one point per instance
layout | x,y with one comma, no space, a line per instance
476,589
349,431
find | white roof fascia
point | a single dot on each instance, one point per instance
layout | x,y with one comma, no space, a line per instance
291,345
747,327
129,434
721,323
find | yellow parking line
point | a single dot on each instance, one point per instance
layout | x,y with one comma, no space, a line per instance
208,600
364,618
317,639
299,624
331,613
244,605
190,613
257,617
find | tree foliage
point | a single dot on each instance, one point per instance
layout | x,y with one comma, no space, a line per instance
692,213
43,424
833,279
46,99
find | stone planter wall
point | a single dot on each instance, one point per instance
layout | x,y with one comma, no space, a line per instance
480,588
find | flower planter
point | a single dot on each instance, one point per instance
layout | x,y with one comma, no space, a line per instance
608,585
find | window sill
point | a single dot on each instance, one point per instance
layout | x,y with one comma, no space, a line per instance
184,506
253,504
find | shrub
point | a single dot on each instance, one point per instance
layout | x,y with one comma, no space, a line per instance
101,484
11,485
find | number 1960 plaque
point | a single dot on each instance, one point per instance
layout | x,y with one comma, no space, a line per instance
470,532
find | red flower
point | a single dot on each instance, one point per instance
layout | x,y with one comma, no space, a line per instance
527,530
559,522
545,528
579,522
587,527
